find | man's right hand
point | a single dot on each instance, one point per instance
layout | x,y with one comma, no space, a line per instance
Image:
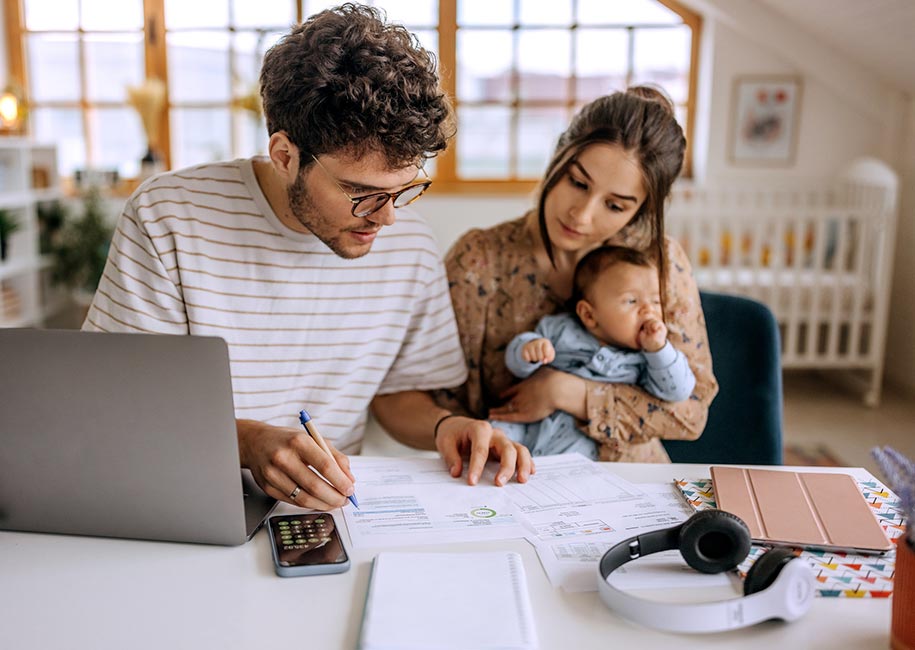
479,440
279,459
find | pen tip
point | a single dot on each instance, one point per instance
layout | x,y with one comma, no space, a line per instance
303,416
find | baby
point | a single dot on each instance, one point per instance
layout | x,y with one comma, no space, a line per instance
617,335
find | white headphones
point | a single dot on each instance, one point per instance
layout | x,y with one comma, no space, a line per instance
778,585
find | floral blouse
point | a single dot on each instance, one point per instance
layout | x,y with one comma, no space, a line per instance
498,291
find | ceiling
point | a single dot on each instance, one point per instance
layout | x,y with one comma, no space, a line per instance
878,34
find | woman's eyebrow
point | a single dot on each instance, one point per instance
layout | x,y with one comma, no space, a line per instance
584,172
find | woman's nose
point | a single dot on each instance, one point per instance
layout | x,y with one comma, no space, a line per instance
583,211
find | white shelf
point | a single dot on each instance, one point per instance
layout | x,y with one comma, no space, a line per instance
12,268
24,289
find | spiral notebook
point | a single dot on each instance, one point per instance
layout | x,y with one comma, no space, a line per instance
447,600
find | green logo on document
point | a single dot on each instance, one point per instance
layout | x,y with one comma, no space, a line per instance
483,513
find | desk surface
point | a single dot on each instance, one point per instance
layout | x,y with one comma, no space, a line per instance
60,591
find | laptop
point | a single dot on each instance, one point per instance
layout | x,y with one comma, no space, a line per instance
122,435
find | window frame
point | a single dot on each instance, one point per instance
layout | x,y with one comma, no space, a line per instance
446,177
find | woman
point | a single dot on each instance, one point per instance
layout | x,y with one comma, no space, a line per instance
607,183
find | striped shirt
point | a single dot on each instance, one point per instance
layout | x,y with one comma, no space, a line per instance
200,251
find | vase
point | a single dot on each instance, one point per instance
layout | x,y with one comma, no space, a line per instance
902,627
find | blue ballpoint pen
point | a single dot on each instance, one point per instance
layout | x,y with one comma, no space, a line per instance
312,430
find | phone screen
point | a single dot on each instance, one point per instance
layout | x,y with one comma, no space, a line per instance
307,539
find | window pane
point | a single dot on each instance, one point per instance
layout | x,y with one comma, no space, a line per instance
257,13
311,7
662,57
538,131
198,66
484,62
485,12
625,12
420,13
113,62
63,127
199,135
483,143
600,62
182,14
250,134
53,67
428,39
106,15
544,62
248,49
51,14
538,12
117,140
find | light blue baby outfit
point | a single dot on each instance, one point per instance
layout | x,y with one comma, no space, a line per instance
665,374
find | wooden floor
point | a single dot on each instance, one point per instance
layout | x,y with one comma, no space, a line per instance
828,423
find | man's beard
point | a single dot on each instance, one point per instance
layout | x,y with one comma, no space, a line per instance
306,213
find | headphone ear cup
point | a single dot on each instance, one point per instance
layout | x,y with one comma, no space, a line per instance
712,541
766,569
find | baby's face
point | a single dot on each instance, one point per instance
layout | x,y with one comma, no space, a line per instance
622,299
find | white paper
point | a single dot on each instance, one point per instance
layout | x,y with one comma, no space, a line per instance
571,542
407,501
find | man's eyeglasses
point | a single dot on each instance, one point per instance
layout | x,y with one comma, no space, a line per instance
365,205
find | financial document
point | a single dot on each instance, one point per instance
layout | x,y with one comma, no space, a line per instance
405,501
571,510
571,544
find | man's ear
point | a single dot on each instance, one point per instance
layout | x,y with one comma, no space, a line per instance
586,313
284,156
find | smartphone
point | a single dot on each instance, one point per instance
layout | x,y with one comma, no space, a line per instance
306,545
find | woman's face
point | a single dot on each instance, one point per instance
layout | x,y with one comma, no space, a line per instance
598,195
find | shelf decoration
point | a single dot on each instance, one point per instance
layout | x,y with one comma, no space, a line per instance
764,122
148,99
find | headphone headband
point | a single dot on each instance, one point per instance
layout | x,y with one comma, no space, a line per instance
785,591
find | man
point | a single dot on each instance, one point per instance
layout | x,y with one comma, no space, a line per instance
328,300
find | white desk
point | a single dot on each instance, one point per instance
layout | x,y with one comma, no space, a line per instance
75,592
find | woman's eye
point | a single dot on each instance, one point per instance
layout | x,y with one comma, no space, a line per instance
577,183
614,207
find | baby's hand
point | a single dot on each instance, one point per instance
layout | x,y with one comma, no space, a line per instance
538,351
653,335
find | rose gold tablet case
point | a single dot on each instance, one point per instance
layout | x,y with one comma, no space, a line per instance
800,508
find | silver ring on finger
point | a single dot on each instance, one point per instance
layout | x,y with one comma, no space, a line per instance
295,492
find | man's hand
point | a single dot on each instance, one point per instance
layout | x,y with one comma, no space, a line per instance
653,335
460,436
279,459
538,351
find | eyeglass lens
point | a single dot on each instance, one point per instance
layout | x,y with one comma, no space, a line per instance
375,202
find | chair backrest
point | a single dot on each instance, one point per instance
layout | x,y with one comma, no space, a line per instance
745,419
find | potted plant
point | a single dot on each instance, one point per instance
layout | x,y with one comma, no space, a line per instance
8,225
81,248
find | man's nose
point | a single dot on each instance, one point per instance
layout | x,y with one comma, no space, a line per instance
384,216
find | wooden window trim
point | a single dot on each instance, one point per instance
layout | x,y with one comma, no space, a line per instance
156,65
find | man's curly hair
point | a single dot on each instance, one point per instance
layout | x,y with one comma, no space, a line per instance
345,81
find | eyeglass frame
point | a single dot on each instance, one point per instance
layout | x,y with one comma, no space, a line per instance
392,196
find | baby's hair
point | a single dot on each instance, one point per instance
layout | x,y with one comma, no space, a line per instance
599,260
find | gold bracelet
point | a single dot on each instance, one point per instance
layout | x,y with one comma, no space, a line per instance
439,423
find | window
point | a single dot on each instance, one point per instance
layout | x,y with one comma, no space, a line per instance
517,70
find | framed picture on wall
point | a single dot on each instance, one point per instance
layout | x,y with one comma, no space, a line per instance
764,120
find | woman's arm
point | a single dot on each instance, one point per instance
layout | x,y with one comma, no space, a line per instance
623,412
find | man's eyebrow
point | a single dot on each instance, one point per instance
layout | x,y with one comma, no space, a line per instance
584,172
360,186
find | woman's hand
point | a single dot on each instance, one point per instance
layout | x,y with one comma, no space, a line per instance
545,391
463,436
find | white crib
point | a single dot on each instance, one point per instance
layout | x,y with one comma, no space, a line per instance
819,256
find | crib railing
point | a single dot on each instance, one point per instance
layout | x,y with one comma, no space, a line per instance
819,257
